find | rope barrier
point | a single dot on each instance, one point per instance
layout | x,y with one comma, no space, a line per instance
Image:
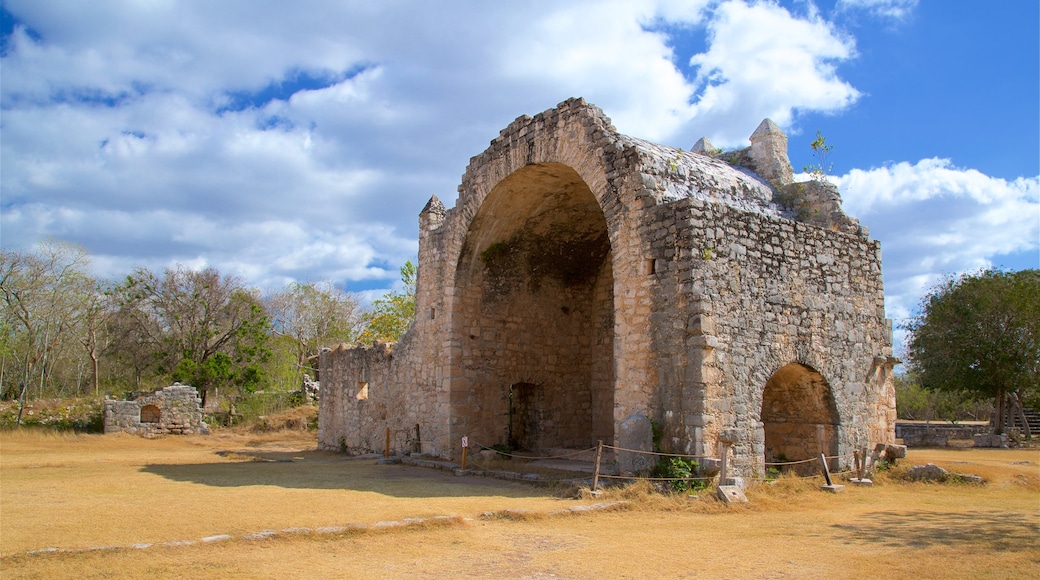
658,453
813,460
604,476
532,457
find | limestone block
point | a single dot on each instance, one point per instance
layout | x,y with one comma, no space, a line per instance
635,433
990,440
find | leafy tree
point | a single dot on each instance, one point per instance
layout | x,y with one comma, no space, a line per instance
308,316
916,403
391,315
198,327
43,295
980,334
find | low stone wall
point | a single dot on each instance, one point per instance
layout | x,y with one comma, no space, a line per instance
937,434
173,410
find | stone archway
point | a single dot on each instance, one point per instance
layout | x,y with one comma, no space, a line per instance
799,417
534,315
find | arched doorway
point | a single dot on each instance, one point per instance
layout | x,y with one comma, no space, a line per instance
799,418
533,315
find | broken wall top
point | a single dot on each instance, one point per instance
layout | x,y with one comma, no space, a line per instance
756,179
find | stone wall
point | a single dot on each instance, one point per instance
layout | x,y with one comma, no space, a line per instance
173,410
938,434
585,277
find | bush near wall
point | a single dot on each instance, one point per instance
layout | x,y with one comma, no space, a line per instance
79,414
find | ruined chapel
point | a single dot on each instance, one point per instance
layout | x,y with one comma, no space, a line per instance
587,280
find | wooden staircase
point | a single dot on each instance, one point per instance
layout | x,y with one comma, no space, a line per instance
1032,416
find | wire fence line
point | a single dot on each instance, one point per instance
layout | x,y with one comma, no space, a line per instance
682,455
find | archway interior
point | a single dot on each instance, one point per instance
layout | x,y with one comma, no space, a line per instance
533,315
799,417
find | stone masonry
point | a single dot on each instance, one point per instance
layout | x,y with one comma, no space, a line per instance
586,277
173,410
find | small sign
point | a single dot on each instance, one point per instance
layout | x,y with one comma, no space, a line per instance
465,441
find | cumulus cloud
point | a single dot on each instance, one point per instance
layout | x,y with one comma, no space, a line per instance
281,143
935,219
765,62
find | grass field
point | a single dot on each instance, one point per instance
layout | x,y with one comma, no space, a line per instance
125,507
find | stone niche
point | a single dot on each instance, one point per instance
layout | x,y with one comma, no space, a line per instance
585,276
173,410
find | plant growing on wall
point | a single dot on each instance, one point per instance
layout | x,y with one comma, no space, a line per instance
822,166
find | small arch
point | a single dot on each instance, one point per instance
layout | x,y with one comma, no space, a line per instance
799,418
150,414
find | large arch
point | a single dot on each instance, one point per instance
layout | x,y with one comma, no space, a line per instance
533,314
799,417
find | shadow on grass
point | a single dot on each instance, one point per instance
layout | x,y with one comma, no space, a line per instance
998,531
323,470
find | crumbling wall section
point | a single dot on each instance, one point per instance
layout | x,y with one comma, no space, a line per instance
173,410
757,293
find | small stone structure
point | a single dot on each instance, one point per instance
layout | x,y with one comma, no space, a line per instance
173,410
587,281
938,434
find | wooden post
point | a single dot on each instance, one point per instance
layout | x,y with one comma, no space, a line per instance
595,475
465,449
386,449
826,472
723,463
863,464
418,439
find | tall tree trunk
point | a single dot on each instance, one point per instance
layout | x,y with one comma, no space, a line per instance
22,391
94,362
1001,419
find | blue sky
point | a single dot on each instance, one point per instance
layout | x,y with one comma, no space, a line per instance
284,142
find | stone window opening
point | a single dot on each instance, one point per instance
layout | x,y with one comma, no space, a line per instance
150,414
362,391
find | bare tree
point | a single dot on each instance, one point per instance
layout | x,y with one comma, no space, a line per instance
197,326
42,292
313,315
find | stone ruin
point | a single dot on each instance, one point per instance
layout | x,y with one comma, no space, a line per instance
590,286
173,410
310,390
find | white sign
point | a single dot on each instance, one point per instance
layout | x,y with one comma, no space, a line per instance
465,441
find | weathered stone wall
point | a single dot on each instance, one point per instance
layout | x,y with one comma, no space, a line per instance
173,410
758,294
585,277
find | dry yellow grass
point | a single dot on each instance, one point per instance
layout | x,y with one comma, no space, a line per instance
82,491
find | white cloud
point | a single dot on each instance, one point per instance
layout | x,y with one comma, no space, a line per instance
142,130
764,62
892,9
934,219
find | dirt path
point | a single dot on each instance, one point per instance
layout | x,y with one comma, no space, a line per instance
92,491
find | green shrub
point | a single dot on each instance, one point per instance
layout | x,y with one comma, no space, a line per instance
677,467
